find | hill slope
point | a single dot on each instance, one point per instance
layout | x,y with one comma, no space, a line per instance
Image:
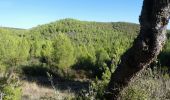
72,51
89,40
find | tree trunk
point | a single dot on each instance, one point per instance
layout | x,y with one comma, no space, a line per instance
146,47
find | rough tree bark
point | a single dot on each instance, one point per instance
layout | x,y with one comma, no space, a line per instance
153,24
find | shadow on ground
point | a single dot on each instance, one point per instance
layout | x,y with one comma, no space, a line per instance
38,74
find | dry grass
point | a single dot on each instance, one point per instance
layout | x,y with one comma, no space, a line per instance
33,91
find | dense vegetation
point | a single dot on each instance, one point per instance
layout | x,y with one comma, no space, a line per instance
69,45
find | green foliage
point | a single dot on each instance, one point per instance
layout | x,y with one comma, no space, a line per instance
35,49
10,86
63,53
46,49
11,93
3,69
92,46
14,49
102,60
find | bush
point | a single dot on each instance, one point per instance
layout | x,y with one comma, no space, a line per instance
11,93
151,85
10,87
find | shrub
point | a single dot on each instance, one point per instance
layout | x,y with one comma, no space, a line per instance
10,87
11,93
151,85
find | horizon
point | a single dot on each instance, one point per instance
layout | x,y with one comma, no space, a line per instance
69,18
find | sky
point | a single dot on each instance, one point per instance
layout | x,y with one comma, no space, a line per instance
30,13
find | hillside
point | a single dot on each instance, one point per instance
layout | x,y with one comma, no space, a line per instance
68,49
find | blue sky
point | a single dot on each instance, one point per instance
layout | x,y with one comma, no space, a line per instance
30,13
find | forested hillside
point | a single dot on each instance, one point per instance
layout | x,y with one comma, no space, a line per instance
69,48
